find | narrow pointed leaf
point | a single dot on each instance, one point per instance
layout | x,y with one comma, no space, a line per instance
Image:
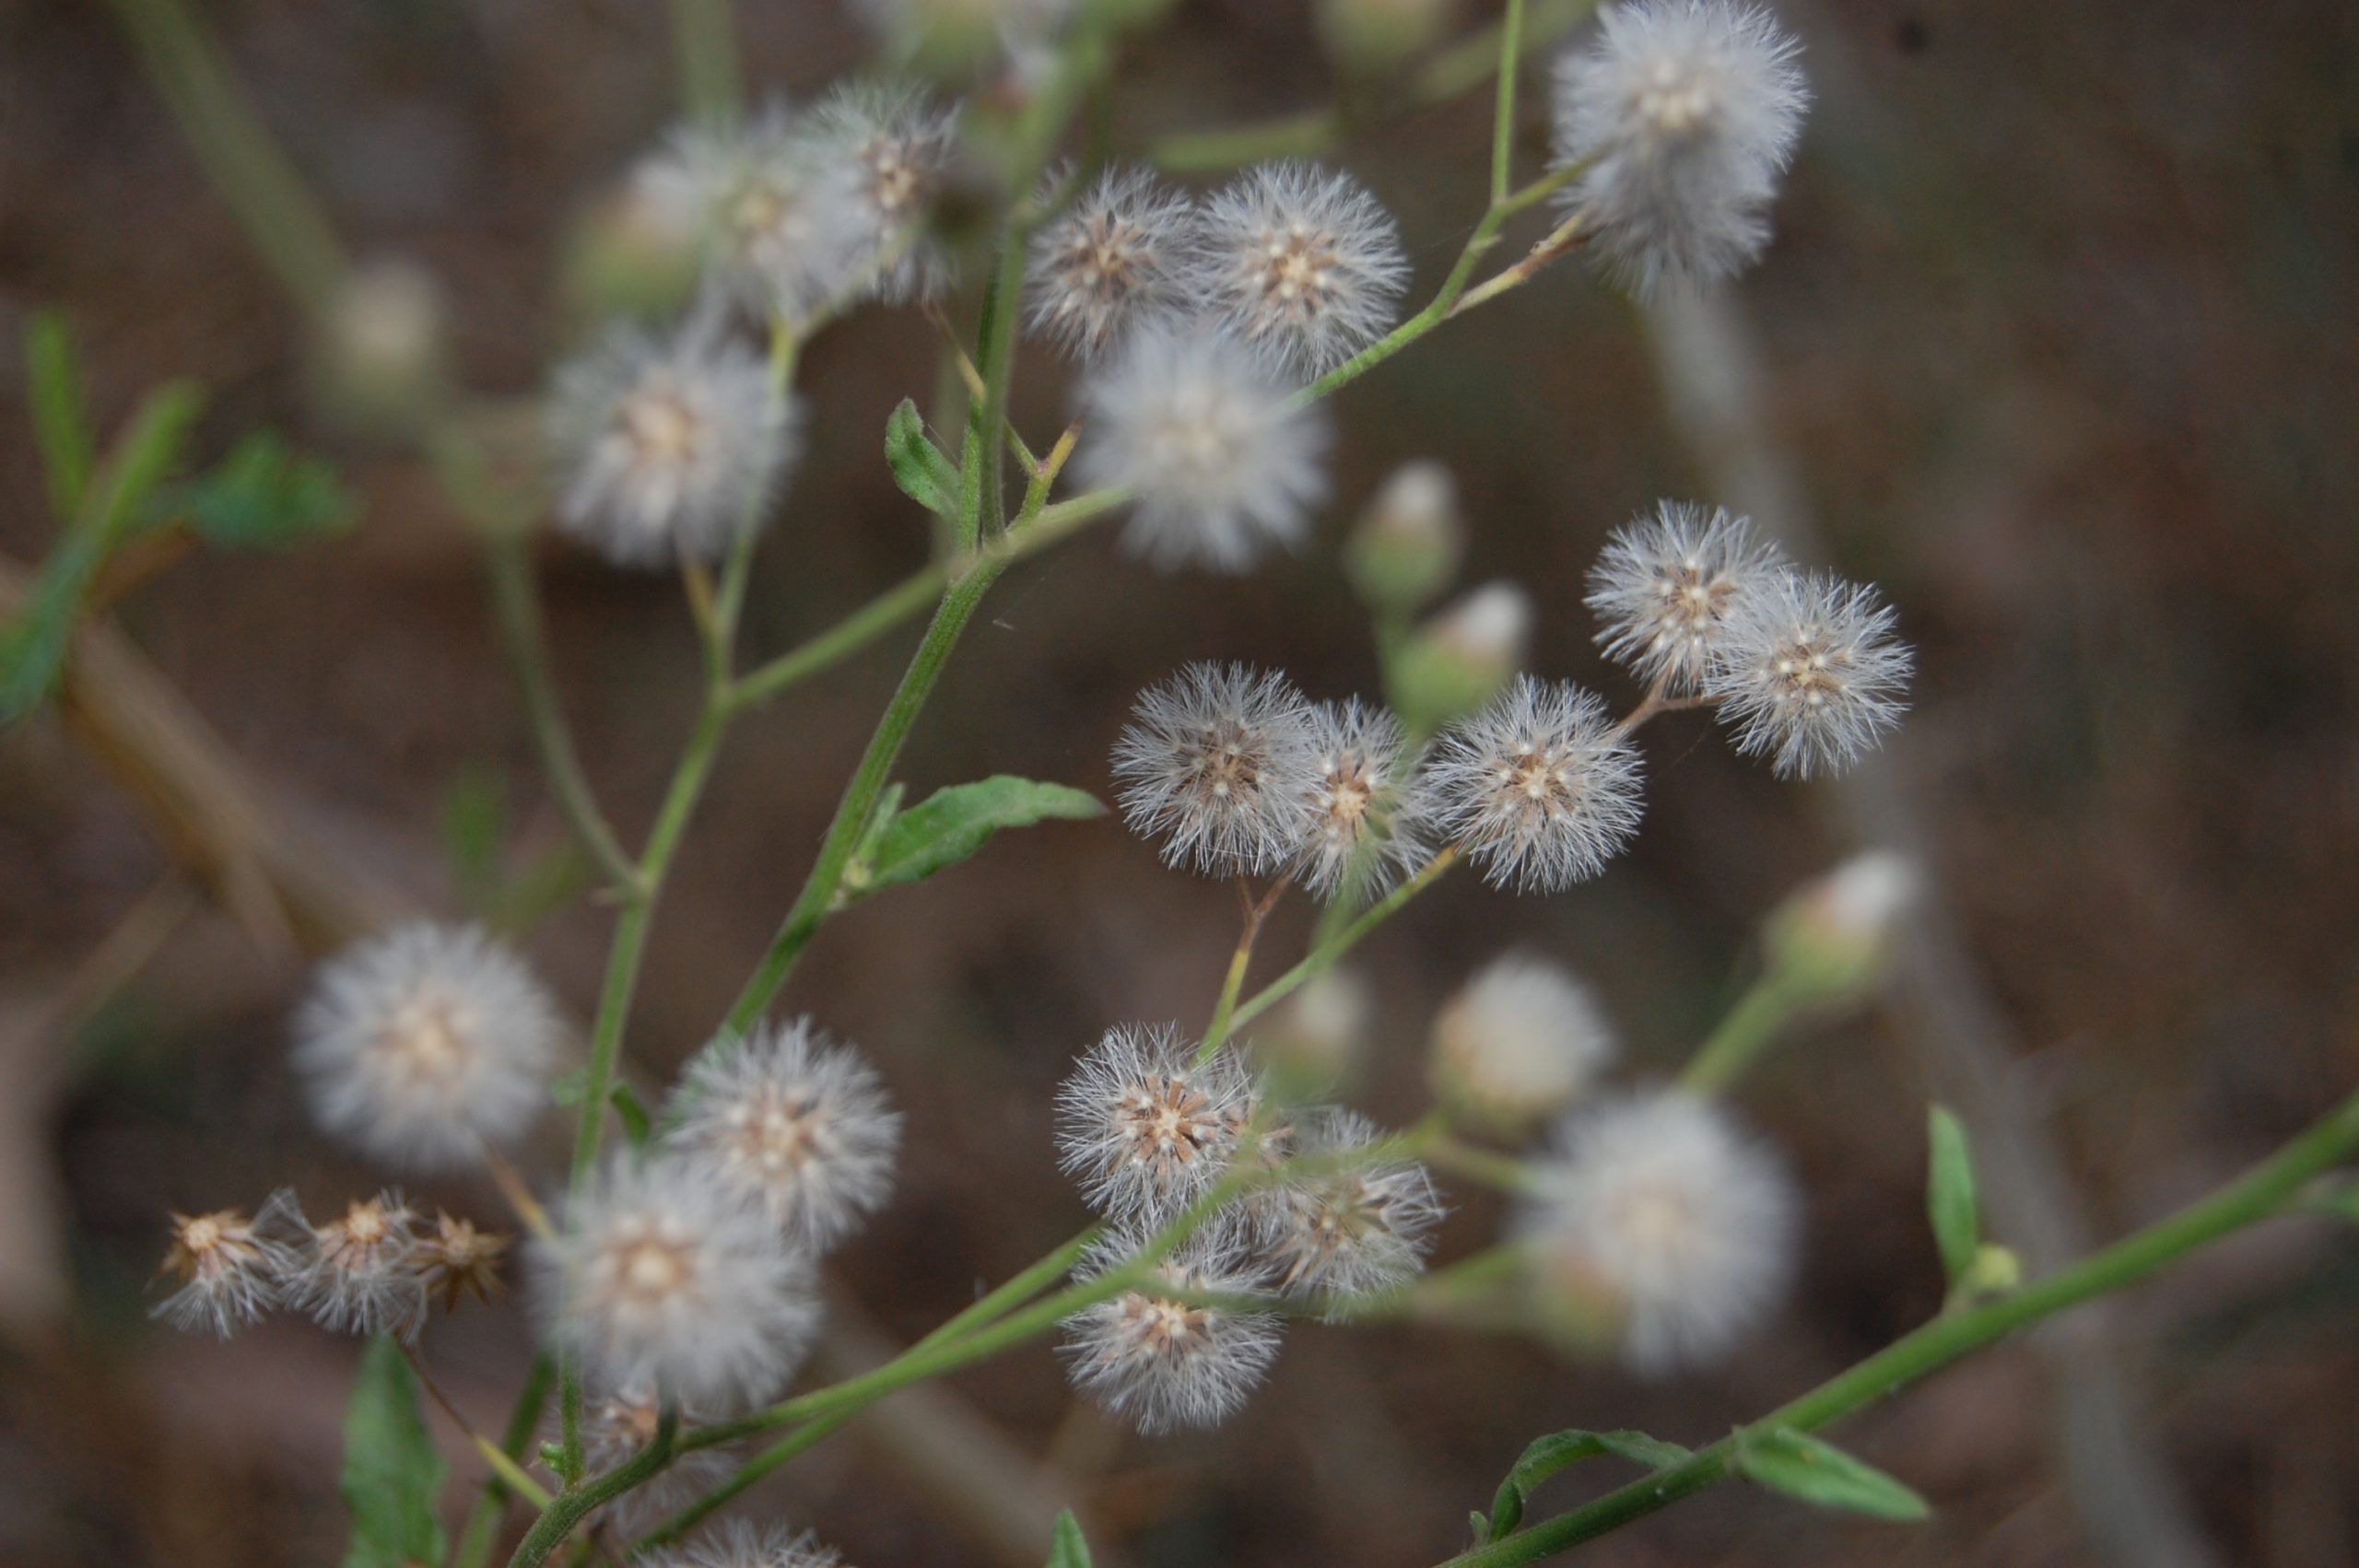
1949,1194
393,1472
265,495
61,418
1559,1450
1822,1475
1066,1548
952,823
919,467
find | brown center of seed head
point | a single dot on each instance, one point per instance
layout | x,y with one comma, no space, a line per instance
664,430
777,1133
1166,1331
1165,1119
425,1043
649,1269
1297,272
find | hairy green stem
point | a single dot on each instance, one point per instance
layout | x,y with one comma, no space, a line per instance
1503,115
2255,1196
577,1502
1740,1036
473,1549
1327,952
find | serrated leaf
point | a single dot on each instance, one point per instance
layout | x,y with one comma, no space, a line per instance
61,418
393,1472
1949,1199
1818,1473
265,496
952,823
1546,1456
924,473
1066,1547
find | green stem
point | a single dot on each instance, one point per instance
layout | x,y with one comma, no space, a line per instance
707,39
1503,117
1327,952
1742,1035
1488,1166
1019,1288
482,1529
2255,1196
577,1502
250,170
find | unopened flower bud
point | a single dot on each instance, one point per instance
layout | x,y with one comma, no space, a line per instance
1407,546
1311,1045
639,252
1367,38
1518,1043
383,353
1462,657
1832,940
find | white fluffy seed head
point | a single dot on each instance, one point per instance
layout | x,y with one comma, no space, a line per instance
1164,1362
1302,261
1219,763
1666,587
426,1046
668,446
1195,425
1683,116
1364,834
1537,787
1658,1215
791,1121
1112,259
1142,1128
1347,1232
741,1543
357,1274
1520,1042
228,1271
887,153
1810,675
661,1275
776,230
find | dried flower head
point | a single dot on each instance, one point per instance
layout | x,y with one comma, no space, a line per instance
458,1261
359,1274
1111,260
741,1543
1657,1212
1161,1360
1681,115
620,1422
1302,261
1346,1229
1364,829
1198,429
1520,1042
887,151
776,229
1666,587
668,447
662,1275
228,1271
1537,787
1810,675
793,1121
1218,763
424,1045
1142,1127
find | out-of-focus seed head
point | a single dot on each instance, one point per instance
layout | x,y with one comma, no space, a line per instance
1681,115
228,1272
456,1260
888,154
616,1424
642,246
1518,1043
661,1275
1166,1363
1219,763
793,1121
383,354
1196,427
1349,1231
1311,1044
668,447
1406,548
1660,1219
1537,787
1111,260
1462,658
741,1543
1370,38
1666,587
1301,260
1832,940
764,206
359,1274
1810,675
1142,1128
426,1046
1364,830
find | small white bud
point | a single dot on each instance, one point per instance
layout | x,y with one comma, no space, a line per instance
1407,544
1518,1043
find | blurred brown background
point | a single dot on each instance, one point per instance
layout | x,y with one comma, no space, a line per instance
2056,343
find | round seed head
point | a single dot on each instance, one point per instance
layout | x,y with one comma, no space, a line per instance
1810,675
1666,587
1301,260
1364,830
1165,1363
1142,1128
360,1274
1219,763
1520,1042
1351,1231
1113,259
1537,787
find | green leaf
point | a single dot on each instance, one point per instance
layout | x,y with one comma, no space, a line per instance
1949,1194
924,475
952,823
473,822
61,418
567,1089
33,645
265,496
1819,1473
1066,1549
393,1472
1559,1450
